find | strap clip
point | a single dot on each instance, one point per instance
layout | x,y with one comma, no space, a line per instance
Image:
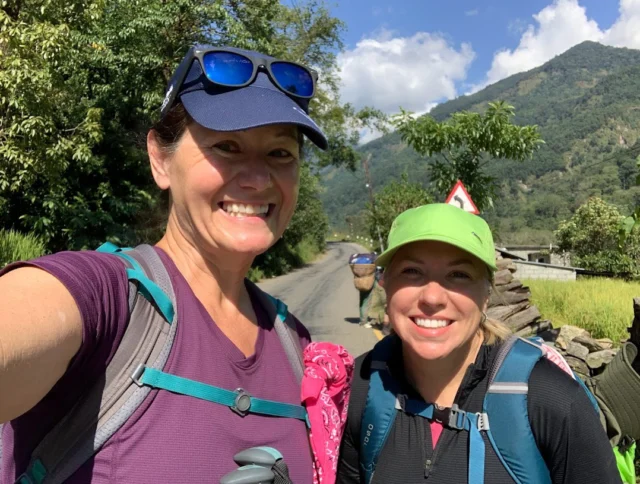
137,374
455,422
483,421
242,403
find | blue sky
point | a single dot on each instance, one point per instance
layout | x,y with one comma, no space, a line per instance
487,25
418,53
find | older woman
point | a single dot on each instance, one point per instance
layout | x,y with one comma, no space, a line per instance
440,400
227,148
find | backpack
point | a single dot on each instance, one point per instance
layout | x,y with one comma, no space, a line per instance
504,414
137,367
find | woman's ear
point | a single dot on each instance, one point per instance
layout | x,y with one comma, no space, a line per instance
159,161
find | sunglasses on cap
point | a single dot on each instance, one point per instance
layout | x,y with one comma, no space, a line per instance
227,68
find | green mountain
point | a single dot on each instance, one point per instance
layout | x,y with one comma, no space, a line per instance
586,102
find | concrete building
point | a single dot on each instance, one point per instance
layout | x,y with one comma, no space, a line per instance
531,264
539,253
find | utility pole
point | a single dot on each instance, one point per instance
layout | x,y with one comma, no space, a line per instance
367,177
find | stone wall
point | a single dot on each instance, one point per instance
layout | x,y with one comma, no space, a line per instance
511,304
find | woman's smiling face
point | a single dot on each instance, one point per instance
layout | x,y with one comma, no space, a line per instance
233,191
436,294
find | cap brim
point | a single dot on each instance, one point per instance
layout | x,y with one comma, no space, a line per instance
250,107
387,255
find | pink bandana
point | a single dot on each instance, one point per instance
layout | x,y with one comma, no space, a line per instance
326,386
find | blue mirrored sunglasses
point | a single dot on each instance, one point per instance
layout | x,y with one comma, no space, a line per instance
227,68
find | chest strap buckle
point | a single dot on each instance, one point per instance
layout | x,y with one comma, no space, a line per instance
242,402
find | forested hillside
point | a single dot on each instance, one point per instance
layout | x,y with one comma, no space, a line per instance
587,105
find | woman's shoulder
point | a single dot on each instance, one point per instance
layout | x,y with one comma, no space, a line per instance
551,388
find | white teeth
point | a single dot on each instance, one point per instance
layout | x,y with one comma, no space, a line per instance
431,323
239,209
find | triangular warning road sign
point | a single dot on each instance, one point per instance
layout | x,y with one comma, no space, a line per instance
460,197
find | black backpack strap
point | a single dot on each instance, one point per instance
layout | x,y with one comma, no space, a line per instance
115,397
285,327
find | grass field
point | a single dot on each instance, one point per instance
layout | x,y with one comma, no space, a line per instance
602,306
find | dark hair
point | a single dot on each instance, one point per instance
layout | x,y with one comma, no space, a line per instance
170,129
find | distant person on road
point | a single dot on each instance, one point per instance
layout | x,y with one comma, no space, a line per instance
364,273
227,147
441,400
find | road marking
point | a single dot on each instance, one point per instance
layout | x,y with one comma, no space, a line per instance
378,334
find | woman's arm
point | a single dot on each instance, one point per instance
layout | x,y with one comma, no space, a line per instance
568,430
40,332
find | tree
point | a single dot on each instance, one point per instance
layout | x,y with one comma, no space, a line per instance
391,201
82,80
591,236
464,144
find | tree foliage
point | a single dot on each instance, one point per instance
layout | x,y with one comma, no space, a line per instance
391,201
591,236
82,80
466,143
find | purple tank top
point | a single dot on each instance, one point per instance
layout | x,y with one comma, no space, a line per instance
170,438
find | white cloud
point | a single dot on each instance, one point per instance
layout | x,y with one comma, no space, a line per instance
558,27
625,32
472,13
367,135
413,72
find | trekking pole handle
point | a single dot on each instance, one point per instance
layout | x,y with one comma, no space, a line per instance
250,474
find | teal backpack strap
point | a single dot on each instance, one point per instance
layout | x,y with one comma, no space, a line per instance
380,409
240,401
505,403
284,326
147,340
458,419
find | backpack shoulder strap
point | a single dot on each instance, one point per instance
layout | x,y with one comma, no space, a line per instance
380,409
505,403
285,327
147,341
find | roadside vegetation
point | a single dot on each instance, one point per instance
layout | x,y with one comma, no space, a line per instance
16,246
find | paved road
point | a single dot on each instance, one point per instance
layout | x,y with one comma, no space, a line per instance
322,296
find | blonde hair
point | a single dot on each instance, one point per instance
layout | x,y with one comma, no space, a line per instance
494,331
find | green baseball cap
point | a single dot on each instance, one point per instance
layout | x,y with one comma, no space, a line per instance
443,223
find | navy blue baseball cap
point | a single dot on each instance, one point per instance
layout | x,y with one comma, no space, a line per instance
233,109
